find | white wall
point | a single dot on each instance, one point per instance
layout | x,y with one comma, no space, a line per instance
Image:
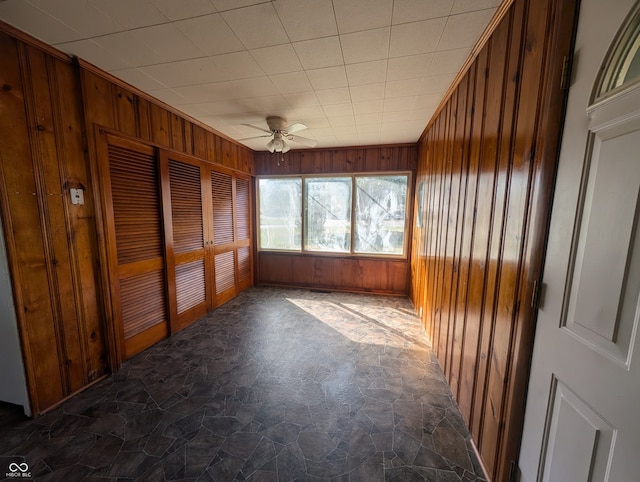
13,384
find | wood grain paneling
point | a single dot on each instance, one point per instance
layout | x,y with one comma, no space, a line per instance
379,275
51,244
473,261
51,107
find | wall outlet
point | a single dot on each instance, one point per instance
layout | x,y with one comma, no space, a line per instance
77,196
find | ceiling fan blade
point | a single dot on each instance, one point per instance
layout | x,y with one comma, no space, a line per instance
256,127
254,137
295,127
303,140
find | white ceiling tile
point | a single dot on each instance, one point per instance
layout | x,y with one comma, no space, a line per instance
342,120
436,83
319,53
368,119
367,92
369,138
448,61
130,14
335,110
428,101
355,15
309,112
237,65
138,79
183,9
368,107
365,46
127,46
462,6
291,82
367,72
319,132
328,78
256,26
405,11
410,67
464,30
308,19
402,88
168,96
223,5
223,107
271,103
37,22
416,38
80,15
333,96
277,60
193,110
303,99
399,104
167,41
210,34
317,123
237,89
186,72
94,53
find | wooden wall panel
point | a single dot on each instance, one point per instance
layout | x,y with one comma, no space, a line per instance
52,109
51,243
334,273
473,262
335,160
379,275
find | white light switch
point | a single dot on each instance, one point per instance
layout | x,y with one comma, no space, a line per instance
77,196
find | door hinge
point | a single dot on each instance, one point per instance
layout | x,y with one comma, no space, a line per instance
535,295
566,69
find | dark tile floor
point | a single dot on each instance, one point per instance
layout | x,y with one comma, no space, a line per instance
276,385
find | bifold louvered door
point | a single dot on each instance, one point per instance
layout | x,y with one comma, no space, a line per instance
186,239
243,232
223,237
135,245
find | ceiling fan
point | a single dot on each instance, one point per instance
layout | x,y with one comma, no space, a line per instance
280,132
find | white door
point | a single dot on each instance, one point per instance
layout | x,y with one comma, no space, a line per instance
582,420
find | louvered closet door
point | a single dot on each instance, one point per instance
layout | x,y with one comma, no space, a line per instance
185,239
223,237
135,244
243,232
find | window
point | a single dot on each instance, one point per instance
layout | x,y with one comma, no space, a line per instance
355,214
280,223
622,66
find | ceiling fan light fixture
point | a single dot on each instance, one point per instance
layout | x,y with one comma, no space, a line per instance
271,146
286,147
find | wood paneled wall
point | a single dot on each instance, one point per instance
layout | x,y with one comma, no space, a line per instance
50,108
486,168
331,272
51,243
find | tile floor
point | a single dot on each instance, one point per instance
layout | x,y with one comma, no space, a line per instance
276,385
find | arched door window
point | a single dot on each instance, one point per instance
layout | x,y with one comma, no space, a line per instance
622,67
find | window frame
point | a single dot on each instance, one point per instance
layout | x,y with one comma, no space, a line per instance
351,254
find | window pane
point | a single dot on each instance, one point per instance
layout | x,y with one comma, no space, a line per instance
380,214
328,214
280,213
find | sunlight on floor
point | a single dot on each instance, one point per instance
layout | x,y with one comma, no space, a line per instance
360,323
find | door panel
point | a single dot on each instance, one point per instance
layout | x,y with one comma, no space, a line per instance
223,236
581,420
135,244
185,239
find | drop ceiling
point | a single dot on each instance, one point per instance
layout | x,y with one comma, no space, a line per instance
355,72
